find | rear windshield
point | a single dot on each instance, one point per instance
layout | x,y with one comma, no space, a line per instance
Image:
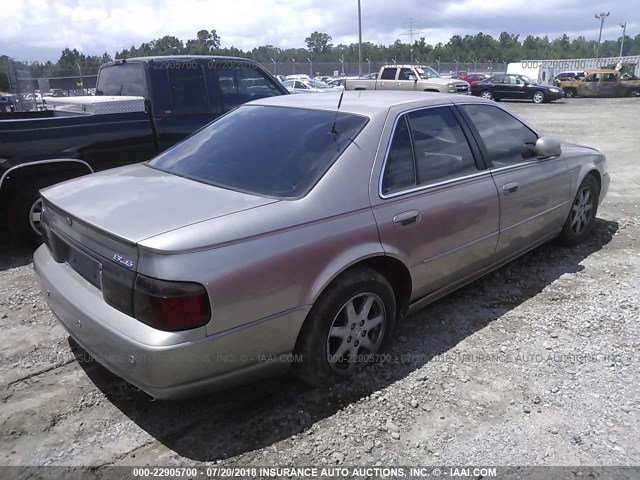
269,151
123,79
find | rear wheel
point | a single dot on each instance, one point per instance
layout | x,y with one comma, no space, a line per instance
486,94
347,327
24,216
538,97
583,212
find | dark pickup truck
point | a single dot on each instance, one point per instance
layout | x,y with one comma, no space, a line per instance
177,95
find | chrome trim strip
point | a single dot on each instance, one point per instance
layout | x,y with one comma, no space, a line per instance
453,250
41,162
522,222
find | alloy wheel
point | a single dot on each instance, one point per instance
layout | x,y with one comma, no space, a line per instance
356,333
582,210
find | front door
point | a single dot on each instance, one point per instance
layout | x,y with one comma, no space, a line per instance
534,193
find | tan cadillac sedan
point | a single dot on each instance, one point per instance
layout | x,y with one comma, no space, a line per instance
294,231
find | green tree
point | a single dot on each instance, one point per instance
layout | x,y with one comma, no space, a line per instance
319,42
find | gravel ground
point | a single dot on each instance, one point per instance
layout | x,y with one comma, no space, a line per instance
535,364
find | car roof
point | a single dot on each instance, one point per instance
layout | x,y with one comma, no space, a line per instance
369,103
160,58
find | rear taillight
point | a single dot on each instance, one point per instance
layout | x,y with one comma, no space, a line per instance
170,306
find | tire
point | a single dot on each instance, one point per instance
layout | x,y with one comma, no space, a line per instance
538,97
24,216
583,213
486,94
331,343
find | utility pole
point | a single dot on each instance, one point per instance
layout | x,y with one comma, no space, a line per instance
624,32
412,33
359,40
601,17
274,67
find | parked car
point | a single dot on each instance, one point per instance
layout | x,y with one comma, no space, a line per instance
519,87
475,77
167,98
212,263
570,75
409,77
307,86
602,83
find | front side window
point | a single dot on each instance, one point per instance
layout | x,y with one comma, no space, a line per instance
242,84
388,74
269,151
406,74
504,137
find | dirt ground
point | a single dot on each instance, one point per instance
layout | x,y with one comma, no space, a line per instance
535,364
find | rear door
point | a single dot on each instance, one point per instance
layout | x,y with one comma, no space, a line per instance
534,193
387,80
183,99
435,205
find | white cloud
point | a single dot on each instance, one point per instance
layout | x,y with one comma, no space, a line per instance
40,29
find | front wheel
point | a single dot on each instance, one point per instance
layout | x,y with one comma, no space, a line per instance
486,94
347,328
538,97
583,212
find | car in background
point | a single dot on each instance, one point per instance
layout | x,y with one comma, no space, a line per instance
569,75
515,87
475,77
308,86
223,260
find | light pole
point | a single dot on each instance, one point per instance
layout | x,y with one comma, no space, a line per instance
438,62
624,31
601,17
274,67
342,63
294,65
310,67
80,72
359,41
369,62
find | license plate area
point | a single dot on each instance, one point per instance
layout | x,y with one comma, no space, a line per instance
87,267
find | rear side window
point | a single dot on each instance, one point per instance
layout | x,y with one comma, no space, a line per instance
188,90
399,172
270,151
440,147
122,79
242,84
504,137
428,146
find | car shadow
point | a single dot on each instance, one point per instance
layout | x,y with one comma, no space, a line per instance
12,255
251,417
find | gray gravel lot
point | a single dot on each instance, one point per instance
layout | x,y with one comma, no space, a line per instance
535,364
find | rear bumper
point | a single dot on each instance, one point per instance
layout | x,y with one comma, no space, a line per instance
165,365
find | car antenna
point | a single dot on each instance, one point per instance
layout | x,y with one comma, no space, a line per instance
333,130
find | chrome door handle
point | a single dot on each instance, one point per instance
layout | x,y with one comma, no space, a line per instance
406,218
510,188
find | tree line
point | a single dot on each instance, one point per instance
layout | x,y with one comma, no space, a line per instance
319,48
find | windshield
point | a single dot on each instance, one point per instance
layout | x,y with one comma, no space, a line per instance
427,72
270,151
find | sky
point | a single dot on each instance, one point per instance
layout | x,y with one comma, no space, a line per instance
38,30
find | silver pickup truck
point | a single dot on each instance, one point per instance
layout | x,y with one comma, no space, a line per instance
409,77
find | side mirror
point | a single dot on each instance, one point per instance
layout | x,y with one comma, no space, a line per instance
548,147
